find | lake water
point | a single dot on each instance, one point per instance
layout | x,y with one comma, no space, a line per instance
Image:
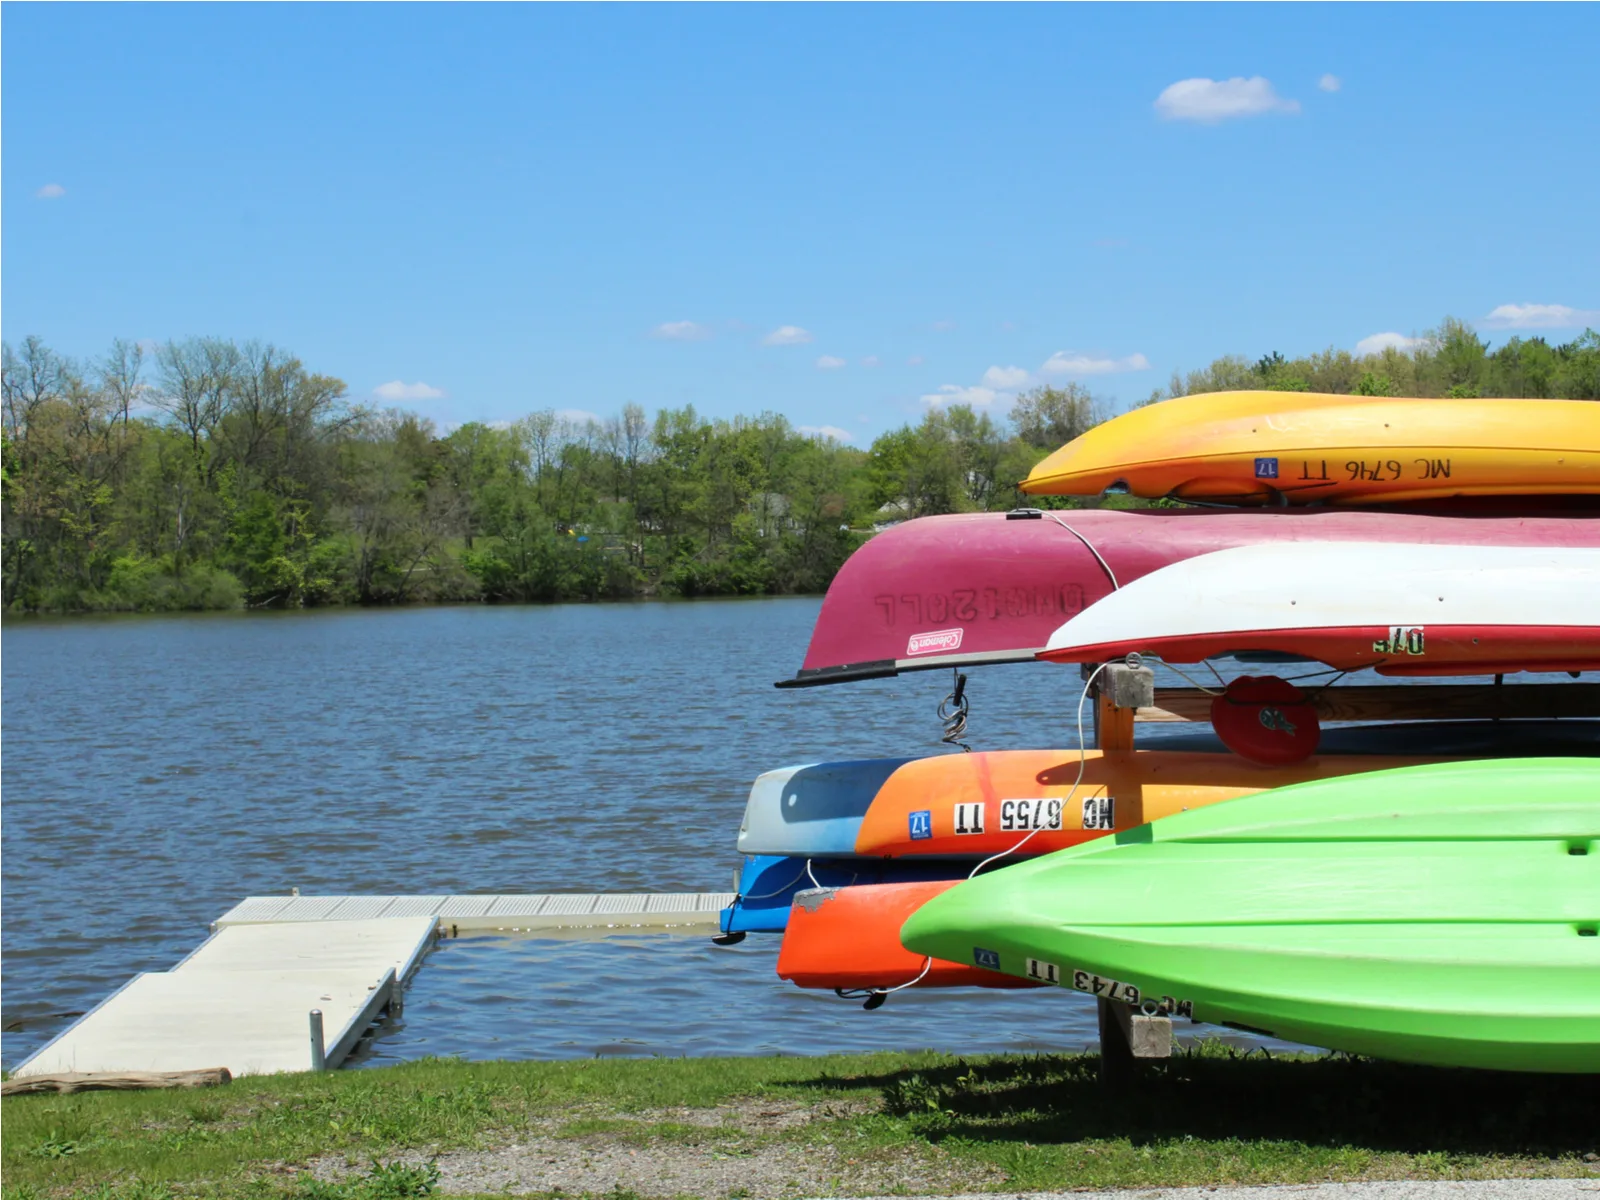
158,769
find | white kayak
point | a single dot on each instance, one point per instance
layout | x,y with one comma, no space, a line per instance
1404,609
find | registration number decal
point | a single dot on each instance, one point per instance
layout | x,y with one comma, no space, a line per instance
1111,989
988,959
1029,816
1044,972
921,824
1382,470
969,818
1402,639
1099,812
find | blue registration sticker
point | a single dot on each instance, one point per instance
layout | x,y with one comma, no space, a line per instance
1266,468
989,959
921,825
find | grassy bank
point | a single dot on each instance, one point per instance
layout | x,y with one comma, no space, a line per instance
919,1123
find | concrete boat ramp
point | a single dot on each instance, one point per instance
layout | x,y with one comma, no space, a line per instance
291,983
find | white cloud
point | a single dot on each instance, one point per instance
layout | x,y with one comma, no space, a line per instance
1211,100
682,331
976,397
914,361
396,390
1005,379
827,431
943,326
871,360
578,416
1540,316
51,191
1070,362
1329,83
829,363
787,335
1379,342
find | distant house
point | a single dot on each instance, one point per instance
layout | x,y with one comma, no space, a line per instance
890,515
772,510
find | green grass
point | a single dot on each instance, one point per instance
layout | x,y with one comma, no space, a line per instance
1210,1117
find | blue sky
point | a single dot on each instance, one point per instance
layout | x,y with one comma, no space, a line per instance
833,212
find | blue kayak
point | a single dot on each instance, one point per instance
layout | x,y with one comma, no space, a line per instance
768,882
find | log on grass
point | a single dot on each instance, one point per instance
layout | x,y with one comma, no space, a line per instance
116,1081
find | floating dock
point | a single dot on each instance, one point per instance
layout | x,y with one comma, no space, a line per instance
291,983
454,915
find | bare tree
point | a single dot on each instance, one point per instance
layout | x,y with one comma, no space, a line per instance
30,378
198,378
119,374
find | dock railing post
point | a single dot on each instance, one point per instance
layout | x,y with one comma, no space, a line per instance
319,1048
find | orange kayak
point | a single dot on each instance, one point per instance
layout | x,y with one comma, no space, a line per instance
1260,447
849,938
975,805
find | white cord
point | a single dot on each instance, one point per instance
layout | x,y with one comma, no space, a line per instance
1193,680
1083,763
784,888
927,965
1104,565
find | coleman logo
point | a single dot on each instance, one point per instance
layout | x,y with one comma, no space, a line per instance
940,641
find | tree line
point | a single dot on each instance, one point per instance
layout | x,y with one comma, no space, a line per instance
1452,361
207,473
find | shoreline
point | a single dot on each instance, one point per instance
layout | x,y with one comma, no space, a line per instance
918,1123
40,615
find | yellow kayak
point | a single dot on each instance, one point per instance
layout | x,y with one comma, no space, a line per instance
1304,448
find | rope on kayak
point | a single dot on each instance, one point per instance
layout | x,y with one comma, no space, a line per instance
1104,565
784,888
953,712
1196,682
875,997
1083,763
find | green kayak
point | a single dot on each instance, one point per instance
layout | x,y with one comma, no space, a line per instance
1440,914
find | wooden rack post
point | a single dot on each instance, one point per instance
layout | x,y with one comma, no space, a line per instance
1125,1033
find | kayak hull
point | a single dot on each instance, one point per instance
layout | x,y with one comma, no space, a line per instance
975,588
974,805
1445,914
813,810
1402,610
1258,447
849,939
768,884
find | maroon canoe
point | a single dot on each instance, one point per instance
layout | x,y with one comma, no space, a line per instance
975,588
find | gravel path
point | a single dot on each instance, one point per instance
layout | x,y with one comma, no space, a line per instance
731,1151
